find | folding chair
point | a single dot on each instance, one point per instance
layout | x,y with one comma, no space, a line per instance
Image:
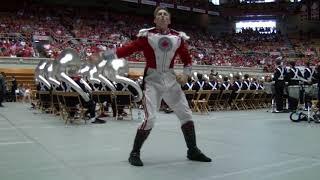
73,107
238,101
45,101
262,100
34,96
200,103
214,100
257,98
123,99
248,99
224,99
59,95
190,96
55,103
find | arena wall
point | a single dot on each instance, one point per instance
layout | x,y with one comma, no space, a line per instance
136,68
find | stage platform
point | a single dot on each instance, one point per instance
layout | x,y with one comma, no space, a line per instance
244,145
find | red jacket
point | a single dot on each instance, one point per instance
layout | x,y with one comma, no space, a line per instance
159,49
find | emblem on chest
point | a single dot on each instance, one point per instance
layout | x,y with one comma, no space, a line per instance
165,44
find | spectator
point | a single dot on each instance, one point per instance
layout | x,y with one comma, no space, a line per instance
2,88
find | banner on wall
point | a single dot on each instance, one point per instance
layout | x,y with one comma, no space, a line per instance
199,10
134,1
153,3
185,8
213,13
167,5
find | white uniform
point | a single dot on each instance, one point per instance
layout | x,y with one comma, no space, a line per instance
160,50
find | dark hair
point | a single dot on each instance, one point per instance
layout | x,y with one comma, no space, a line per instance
308,63
160,8
225,78
199,76
292,63
278,62
237,77
246,76
189,79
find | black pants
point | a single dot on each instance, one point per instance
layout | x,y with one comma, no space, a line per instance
122,100
293,102
1,98
13,95
110,101
90,105
279,88
318,105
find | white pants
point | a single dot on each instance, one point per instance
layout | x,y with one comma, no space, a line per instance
164,86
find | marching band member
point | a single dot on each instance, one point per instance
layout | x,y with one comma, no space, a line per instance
308,75
160,46
246,82
278,77
294,76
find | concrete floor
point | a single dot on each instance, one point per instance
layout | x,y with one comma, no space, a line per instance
245,145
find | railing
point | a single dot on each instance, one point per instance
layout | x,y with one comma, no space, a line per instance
16,36
138,67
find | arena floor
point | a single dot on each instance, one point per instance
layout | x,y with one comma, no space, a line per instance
245,145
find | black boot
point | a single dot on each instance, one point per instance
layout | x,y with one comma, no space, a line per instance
194,153
141,136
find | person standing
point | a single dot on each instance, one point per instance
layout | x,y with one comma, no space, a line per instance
2,88
160,46
14,87
294,77
308,75
278,78
316,77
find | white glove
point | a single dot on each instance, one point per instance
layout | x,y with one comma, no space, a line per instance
109,55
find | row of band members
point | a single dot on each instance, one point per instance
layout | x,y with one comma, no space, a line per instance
280,76
293,76
201,84
91,104
213,84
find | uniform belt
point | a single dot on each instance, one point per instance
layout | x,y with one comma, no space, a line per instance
151,70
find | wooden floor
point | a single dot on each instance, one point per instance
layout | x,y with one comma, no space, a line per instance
245,145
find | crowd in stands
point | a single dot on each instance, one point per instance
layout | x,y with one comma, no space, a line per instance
13,48
91,32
